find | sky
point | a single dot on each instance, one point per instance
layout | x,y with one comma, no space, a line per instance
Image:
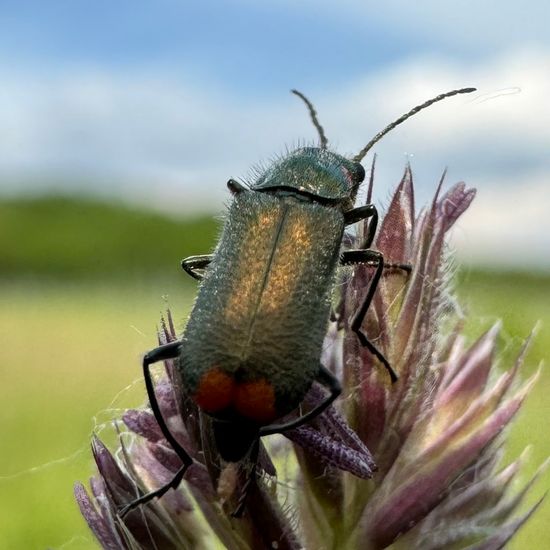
160,103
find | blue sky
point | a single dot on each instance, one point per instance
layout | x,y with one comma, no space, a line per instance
245,46
161,102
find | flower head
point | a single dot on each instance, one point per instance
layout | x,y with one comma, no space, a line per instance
415,464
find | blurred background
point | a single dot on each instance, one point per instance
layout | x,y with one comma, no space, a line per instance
120,123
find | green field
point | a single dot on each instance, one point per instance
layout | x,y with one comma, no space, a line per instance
521,302
70,359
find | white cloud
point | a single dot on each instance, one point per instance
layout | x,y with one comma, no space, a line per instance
164,141
133,131
507,225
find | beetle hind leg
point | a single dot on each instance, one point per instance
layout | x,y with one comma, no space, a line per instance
250,480
162,353
325,378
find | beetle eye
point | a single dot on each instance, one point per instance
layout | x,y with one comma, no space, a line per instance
357,172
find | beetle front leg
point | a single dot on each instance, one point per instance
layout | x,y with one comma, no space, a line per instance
162,353
362,213
195,265
327,379
377,260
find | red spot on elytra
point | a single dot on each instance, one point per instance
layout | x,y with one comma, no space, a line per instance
215,390
256,401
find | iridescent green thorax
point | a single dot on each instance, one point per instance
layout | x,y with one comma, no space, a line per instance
319,172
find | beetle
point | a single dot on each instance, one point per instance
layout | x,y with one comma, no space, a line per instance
251,348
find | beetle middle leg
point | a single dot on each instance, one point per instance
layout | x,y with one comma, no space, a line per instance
162,353
195,265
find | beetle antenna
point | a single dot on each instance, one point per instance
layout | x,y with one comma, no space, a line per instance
314,119
361,155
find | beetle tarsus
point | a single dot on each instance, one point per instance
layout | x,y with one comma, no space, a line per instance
401,267
365,342
157,493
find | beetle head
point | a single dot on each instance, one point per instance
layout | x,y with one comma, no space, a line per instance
322,175
332,177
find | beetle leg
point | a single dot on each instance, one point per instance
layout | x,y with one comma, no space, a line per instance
356,257
195,265
144,499
327,379
367,256
162,353
362,213
235,187
252,463
364,257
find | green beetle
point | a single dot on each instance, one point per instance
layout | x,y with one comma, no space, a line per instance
252,346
